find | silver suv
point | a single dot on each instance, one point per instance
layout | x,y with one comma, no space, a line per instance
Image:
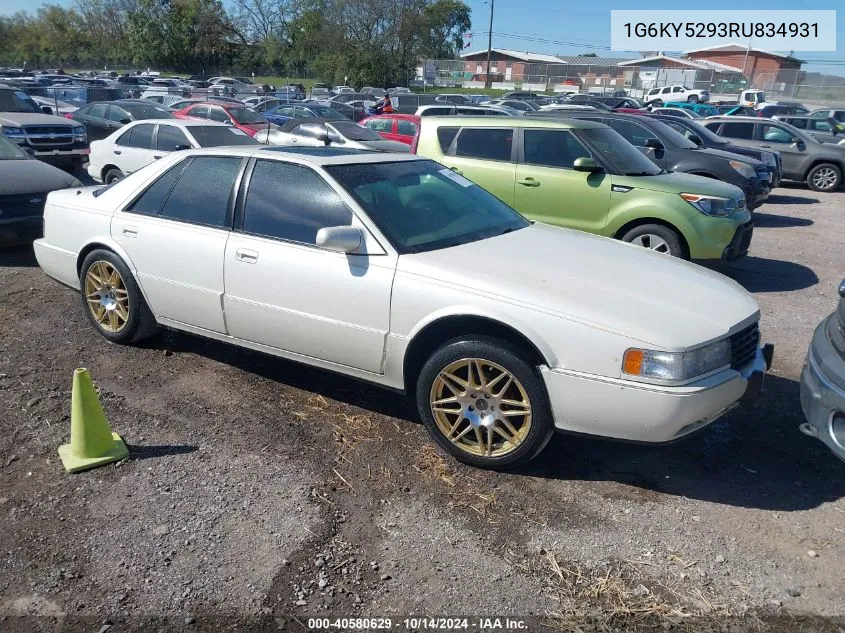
53,139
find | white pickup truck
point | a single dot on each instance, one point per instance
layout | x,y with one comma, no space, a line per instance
659,96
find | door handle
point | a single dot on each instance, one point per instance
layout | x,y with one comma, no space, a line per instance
130,231
156,157
117,151
766,146
529,182
247,256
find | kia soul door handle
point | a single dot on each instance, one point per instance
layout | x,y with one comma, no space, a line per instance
246,255
529,182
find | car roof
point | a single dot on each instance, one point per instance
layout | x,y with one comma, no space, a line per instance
396,115
180,123
488,121
319,156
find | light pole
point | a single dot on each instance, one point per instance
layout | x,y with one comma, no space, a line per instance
489,47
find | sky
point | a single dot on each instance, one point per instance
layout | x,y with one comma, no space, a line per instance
571,28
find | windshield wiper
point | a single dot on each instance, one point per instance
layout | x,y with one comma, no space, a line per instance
643,173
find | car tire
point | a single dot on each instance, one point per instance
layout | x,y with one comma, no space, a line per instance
112,300
824,177
658,238
692,99
112,175
490,439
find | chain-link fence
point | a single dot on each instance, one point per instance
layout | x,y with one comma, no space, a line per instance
609,78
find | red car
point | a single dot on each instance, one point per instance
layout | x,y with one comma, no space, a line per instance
239,116
395,127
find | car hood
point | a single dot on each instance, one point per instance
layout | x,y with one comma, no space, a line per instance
679,182
728,155
24,176
27,118
385,146
662,301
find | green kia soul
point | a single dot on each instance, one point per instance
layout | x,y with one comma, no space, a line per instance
584,175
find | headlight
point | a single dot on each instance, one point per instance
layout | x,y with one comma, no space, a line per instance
769,159
743,169
79,131
677,366
711,205
14,133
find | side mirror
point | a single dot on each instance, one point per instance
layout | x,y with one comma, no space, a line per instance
653,143
180,147
324,139
344,239
29,151
695,138
586,164
46,109
125,121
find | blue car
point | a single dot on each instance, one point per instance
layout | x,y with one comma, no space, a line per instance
286,111
699,108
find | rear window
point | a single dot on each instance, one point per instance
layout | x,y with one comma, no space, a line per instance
216,136
486,144
738,130
446,135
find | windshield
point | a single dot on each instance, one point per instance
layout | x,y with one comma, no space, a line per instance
215,136
422,206
325,112
354,132
139,112
17,101
10,151
622,157
245,116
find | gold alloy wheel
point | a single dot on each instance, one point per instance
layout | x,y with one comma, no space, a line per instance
107,297
480,407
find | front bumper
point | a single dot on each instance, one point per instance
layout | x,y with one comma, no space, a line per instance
821,398
19,231
740,244
639,412
756,190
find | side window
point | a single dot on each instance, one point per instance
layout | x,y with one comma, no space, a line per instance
219,115
201,195
487,144
408,128
310,130
291,202
775,134
199,112
97,111
801,124
142,136
152,200
124,139
822,126
738,130
446,135
380,125
552,148
117,114
839,115
170,138
666,91
303,113
678,89
634,133
286,111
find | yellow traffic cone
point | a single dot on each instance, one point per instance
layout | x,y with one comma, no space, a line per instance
92,442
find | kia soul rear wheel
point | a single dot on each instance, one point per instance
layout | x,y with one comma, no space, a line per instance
483,403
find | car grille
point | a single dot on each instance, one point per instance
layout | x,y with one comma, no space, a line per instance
22,206
744,345
49,134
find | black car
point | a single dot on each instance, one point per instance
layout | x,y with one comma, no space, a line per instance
703,137
674,152
104,117
24,185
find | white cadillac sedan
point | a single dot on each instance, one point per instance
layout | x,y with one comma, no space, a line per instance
140,143
395,270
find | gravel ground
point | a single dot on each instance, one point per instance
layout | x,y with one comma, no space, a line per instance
259,493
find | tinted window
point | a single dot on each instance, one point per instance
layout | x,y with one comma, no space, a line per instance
97,111
552,148
291,202
446,135
631,132
152,200
215,136
142,136
380,125
200,112
217,114
677,89
620,157
201,195
139,112
170,137
407,128
490,144
801,124
738,130
117,114
823,126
